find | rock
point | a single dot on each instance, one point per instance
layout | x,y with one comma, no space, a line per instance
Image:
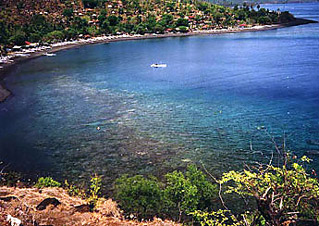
83,208
49,201
8,198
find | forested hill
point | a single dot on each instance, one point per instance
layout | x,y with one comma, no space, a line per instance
55,20
256,2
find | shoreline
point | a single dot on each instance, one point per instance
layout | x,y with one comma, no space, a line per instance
5,68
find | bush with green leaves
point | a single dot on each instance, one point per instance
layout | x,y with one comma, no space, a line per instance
94,191
54,36
284,195
187,192
44,182
181,194
139,196
217,218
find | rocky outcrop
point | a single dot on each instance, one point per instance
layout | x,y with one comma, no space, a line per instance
54,206
48,201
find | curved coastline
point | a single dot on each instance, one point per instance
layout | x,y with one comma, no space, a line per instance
5,93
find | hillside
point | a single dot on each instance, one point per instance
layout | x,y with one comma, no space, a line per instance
23,204
57,20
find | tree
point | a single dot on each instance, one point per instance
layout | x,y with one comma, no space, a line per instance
167,20
283,195
79,25
90,3
258,6
139,196
206,190
180,194
54,36
3,32
113,20
68,13
182,22
18,38
264,20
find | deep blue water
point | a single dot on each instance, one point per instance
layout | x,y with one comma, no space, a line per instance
219,101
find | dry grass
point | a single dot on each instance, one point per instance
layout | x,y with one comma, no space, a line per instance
24,207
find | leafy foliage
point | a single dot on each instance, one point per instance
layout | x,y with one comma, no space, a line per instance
283,194
139,196
25,22
95,190
181,194
47,182
216,218
74,190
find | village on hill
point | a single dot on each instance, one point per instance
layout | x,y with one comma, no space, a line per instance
49,21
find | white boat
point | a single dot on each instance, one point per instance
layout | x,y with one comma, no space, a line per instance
158,65
50,54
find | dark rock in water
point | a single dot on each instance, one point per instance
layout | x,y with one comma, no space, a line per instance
49,201
8,198
83,208
312,152
313,142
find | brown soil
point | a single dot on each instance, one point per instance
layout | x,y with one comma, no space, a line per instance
21,203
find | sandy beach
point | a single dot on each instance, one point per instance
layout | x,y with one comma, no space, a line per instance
16,57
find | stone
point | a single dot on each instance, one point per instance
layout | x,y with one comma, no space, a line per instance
48,201
8,198
83,208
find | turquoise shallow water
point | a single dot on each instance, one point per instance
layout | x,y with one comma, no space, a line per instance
218,102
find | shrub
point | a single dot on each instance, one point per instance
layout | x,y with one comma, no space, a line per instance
284,195
68,12
188,192
74,190
183,29
95,190
206,190
47,182
139,196
217,218
18,38
54,36
180,193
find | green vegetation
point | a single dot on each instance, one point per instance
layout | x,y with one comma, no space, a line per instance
179,195
283,195
44,182
217,218
139,196
53,22
74,190
95,190
92,195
